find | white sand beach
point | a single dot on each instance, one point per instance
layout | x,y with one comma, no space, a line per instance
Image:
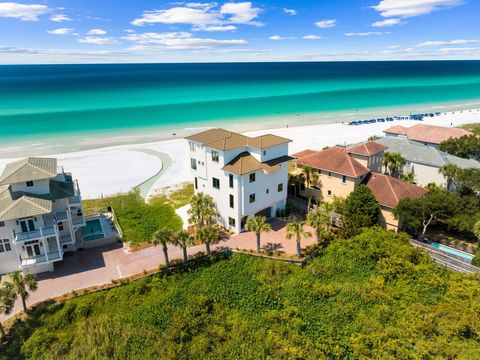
114,169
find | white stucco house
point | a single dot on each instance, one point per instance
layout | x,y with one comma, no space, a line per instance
245,176
40,215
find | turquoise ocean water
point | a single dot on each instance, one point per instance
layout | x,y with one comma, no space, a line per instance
53,100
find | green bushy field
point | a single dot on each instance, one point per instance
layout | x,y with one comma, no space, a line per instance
372,296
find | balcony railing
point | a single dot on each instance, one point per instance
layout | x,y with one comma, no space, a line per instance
36,234
43,258
66,239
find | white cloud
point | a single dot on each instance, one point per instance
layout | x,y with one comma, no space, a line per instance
241,13
325,24
22,11
62,31
96,32
97,40
458,50
411,8
203,16
290,11
215,28
176,41
60,18
312,37
368,33
278,38
386,22
449,42
130,31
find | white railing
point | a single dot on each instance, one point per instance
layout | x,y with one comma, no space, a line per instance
36,234
43,258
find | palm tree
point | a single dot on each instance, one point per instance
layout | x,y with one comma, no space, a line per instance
310,176
207,235
319,219
7,301
184,240
203,210
19,284
295,230
449,172
395,162
408,177
162,237
386,161
258,224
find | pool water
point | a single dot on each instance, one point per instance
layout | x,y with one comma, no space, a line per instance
468,257
92,230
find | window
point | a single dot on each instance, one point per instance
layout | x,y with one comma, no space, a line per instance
329,192
319,172
329,174
216,183
193,164
267,191
231,201
29,183
252,198
231,221
264,152
60,226
230,180
252,177
344,179
215,156
192,146
5,245
2,224
280,187
196,184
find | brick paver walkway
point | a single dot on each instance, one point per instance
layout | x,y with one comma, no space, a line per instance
94,267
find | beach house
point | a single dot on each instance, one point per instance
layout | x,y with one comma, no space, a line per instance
425,161
246,176
341,169
40,215
429,135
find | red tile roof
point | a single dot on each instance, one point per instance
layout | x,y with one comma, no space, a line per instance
389,191
335,159
368,149
428,133
304,153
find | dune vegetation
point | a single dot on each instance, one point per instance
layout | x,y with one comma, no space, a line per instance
371,296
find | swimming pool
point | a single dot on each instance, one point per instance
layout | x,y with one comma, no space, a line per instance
468,257
92,230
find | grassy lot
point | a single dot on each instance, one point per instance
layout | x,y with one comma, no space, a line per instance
139,220
474,128
370,297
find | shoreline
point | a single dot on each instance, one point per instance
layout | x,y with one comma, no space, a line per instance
109,169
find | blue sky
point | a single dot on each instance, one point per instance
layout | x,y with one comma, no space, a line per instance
60,31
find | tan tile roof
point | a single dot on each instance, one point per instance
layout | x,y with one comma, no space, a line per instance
25,206
429,133
389,191
29,169
221,139
246,163
335,159
368,149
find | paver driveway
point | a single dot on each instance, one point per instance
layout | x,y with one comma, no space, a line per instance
100,266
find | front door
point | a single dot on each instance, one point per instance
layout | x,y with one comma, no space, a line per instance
27,225
33,250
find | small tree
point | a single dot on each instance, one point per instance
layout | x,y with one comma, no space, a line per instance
319,219
295,231
19,284
163,237
361,210
203,210
476,230
395,162
184,240
408,177
208,235
310,176
258,224
449,172
7,301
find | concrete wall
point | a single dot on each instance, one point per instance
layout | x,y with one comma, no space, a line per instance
425,174
387,220
39,187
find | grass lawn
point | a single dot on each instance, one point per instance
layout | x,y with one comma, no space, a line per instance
139,220
474,128
370,297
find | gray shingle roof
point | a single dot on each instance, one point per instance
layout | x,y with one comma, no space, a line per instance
24,206
421,154
29,169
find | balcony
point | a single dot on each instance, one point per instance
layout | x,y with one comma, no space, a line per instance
75,200
37,234
66,239
41,259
